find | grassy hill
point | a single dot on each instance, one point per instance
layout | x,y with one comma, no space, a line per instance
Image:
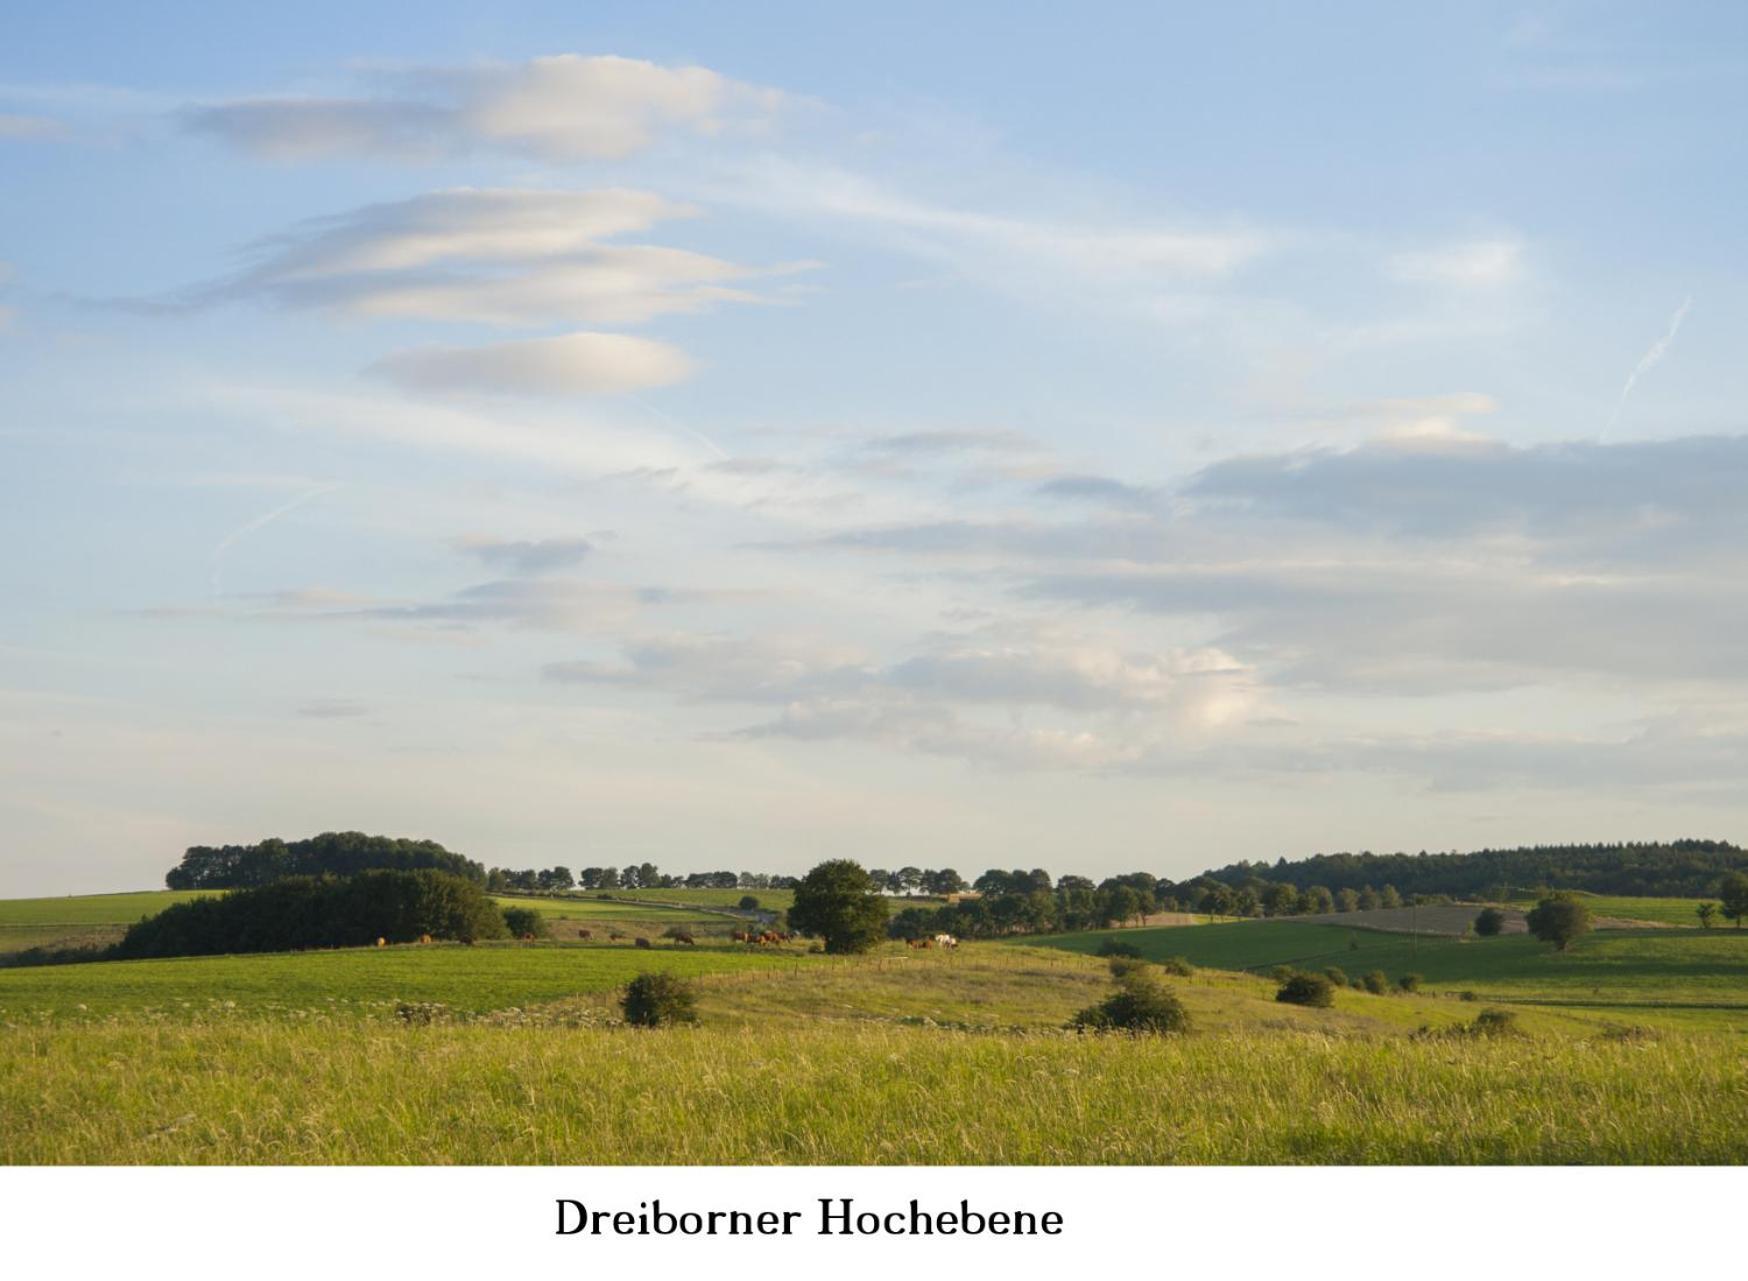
79,919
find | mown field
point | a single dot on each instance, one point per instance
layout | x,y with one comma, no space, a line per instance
1663,911
72,920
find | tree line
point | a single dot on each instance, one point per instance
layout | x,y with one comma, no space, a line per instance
1681,868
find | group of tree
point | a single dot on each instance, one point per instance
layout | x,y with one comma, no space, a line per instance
633,876
321,911
1021,902
918,880
229,867
1674,868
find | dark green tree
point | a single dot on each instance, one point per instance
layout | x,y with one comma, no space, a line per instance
1307,989
1489,921
838,902
1733,891
1561,918
1707,913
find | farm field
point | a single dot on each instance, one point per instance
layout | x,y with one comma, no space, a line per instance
769,900
79,919
1701,976
1663,911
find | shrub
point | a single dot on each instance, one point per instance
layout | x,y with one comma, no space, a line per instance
525,920
1140,1006
1281,973
1496,1022
1307,989
659,1000
1489,922
1467,995
1178,966
749,903
1558,919
1377,982
1336,975
1122,966
320,911
1410,982
1116,947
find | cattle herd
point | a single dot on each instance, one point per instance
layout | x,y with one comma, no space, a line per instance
939,940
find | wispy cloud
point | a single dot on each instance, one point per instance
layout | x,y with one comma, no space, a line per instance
1649,361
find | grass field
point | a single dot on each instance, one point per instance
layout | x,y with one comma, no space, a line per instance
1630,1050
1700,975
351,980
79,920
267,1092
1663,911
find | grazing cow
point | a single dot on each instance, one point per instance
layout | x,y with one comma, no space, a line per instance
741,936
946,940
585,934
642,942
920,943
424,938
686,939
771,938
527,938
381,942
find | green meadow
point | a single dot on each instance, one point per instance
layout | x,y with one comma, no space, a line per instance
1627,1048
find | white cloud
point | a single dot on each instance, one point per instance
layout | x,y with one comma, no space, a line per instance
1470,264
565,107
502,257
571,364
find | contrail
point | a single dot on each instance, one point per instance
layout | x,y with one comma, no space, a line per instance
1649,360
243,531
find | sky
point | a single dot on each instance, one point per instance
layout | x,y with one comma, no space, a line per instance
1097,437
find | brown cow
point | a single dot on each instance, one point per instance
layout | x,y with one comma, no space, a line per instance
642,942
527,938
585,934
741,936
686,939
614,936
920,943
382,942
424,938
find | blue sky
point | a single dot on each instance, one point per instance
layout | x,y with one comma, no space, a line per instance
1098,437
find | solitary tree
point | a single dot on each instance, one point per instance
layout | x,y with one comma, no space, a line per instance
838,902
1707,913
1734,893
1560,918
1489,922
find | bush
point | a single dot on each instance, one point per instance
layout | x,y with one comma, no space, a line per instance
525,920
1377,982
320,911
749,903
1139,1006
1489,922
1116,947
1336,975
1467,995
1410,982
1496,1022
1179,966
1121,966
1281,973
1307,989
659,1000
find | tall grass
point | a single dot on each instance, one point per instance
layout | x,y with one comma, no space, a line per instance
257,1091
